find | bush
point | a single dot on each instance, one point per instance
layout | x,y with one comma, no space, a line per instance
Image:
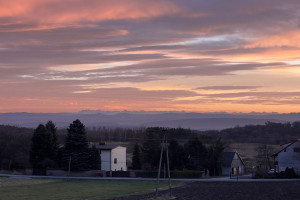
187,174
260,174
288,173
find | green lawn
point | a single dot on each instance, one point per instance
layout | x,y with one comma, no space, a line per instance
46,189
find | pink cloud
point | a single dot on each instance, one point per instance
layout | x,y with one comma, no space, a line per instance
49,49
72,11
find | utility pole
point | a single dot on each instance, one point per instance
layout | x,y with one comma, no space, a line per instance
164,148
158,174
168,163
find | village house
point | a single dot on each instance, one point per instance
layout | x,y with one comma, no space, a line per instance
288,156
232,164
113,157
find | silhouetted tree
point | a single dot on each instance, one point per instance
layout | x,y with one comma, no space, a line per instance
196,154
95,159
177,156
151,149
40,148
53,151
263,157
214,162
136,158
15,143
76,149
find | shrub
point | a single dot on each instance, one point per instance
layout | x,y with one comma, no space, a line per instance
288,173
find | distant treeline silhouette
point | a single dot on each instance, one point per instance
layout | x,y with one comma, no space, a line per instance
15,141
270,133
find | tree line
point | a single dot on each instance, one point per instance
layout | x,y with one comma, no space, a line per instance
14,147
191,155
74,155
15,142
269,133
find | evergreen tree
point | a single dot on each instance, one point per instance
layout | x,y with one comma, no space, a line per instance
53,151
95,159
136,158
40,145
196,153
151,149
177,156
76,148
214,162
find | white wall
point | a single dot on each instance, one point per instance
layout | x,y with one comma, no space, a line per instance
290,158
237,163
105,160
118,153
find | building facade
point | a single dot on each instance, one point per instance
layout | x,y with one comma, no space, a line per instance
232,164
113,157
288,157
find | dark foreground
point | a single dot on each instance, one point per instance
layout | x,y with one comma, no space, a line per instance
230,191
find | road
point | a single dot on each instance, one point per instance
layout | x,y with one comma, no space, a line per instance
219,179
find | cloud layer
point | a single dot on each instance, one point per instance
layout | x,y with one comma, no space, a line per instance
197,55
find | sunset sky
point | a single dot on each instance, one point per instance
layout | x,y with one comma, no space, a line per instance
160,55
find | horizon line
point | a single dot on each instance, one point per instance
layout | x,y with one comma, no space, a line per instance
148,111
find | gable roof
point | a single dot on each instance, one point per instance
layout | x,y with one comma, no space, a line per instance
227,158
287,146
105,147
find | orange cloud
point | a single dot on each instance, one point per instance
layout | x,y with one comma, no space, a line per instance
72,11
266,55
286,39
67,105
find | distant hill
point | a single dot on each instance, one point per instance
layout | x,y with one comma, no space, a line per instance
197,121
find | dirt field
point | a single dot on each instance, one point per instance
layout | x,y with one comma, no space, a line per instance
229,191
249,150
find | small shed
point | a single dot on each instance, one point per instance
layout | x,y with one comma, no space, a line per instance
113,157
232,164
288,156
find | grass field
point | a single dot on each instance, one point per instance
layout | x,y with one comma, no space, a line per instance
54,189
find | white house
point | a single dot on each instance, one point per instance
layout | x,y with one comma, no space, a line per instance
288,156
232,164
113,157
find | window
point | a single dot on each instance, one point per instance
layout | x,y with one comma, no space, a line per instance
297,149
115,161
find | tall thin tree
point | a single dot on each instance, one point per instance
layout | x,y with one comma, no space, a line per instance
136,158
51,130
76,152
40,145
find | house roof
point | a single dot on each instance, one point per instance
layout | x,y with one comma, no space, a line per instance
227,158
289,144
105,146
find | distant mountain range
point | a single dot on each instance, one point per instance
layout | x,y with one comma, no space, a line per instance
198,121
